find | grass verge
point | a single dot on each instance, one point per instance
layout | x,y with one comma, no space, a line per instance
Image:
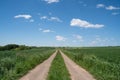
58,70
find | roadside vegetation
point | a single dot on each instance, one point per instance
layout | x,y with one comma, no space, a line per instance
58,70
102,62
16,62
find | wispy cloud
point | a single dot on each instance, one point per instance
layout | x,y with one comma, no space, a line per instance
115,13
55,19
98,41
31,20
78,38
47,31
100,6
44,17
82,3
60,38
51,18
40,29
107,7
84,24
25,16
51,1
112,8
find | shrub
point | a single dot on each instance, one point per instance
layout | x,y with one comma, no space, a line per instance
8,47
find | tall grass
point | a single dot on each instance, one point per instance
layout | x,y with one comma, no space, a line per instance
58,69
14,64
102,62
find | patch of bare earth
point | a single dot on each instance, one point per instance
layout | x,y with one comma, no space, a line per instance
76,72
40,72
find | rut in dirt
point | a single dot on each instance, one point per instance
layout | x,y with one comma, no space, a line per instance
76,72
40,72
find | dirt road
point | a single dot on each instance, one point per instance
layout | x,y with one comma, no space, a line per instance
40,72
76,72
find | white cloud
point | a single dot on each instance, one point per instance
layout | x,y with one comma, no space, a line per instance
44,17
51,1
84,24
55,19
112,8
107,7
47,31
51,18
25,16
100,5
115,13
60,38
78,37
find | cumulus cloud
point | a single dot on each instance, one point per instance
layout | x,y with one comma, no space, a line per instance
51,1
84,24
51,18
60,38
100,5
25,16
112,8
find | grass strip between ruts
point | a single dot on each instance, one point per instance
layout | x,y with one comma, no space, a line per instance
58,70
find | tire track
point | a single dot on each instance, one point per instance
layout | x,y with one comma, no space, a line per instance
76,72
40,72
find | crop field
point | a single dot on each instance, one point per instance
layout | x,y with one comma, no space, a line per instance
15,63
102,62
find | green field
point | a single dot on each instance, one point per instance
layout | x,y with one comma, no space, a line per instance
15,63
58,70
102,62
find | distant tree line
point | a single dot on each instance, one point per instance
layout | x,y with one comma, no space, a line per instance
14,47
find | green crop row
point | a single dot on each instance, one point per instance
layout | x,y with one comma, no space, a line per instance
102,62
14,64
58,70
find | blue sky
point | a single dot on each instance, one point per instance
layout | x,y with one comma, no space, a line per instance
60,22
